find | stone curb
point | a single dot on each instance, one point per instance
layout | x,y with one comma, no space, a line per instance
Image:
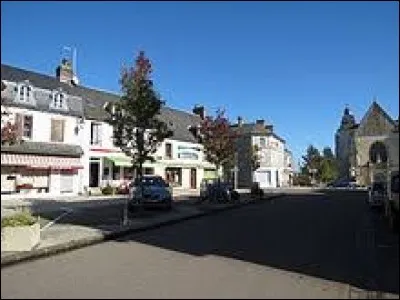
100,237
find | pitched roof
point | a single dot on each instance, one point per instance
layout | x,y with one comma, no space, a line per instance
256,129
94,100
377,107
42,148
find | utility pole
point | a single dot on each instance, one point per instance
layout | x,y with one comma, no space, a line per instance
236,171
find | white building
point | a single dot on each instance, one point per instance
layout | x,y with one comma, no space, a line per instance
68,146
48,159
274,167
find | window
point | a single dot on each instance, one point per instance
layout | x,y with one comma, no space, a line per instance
168,150
377,153
58,100
24,125
148,171
262,142
27,123
57,130
25,92
269,177
95,134
395,184
116,172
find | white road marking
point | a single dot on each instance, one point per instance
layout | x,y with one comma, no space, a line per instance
67,211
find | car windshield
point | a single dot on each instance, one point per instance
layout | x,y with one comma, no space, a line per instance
151,181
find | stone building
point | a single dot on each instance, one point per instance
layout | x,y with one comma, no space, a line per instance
274,166
361,148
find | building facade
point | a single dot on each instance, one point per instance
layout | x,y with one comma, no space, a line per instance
67,146
273,166
47,158
362,148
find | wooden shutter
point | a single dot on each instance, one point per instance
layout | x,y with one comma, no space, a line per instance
57,130
19,119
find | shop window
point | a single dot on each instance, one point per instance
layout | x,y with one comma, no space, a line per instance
116,173
173,176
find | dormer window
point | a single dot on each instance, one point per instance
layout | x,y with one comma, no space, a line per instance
24,93
58,100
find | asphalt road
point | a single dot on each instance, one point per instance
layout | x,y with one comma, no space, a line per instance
299,246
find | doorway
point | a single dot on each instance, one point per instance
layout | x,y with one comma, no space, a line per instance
193,179
94,174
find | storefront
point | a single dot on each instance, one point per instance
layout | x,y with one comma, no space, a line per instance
26,173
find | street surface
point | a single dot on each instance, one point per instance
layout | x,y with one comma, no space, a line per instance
321,245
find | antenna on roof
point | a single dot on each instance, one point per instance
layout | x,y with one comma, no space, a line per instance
74,70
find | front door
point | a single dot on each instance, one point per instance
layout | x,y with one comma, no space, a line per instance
94,174
193,179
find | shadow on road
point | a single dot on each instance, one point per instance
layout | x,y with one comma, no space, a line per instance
328,236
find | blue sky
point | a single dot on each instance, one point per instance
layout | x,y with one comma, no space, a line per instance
294,64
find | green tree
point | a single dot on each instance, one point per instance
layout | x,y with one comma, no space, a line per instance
327,153
328,170
137,127
218,139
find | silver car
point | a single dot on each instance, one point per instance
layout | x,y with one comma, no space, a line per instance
151,191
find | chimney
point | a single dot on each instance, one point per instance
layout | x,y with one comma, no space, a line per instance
240,121
260,122
64,72
200,111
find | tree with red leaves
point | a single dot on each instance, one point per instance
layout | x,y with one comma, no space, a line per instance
218,139
138,130
9,132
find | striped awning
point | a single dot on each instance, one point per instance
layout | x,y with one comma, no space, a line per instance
41,161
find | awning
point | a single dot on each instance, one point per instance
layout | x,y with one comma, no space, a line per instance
120,161
41,161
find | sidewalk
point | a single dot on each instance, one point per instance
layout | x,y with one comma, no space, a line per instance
63,237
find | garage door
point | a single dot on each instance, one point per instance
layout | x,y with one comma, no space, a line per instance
66,181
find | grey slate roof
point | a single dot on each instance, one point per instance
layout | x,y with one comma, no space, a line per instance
93,100
42,148
255,129
74,101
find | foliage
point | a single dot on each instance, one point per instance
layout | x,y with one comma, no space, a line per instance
138,130
328,170
312,158
301,180
327,153
218,139
9,132
108,190
23,218
255,157
325,165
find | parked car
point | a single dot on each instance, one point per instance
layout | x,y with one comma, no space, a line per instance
377,194
392,200
218,191
151,192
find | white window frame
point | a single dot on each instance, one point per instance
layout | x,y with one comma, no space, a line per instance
24,93
58,100
23,126
96,139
